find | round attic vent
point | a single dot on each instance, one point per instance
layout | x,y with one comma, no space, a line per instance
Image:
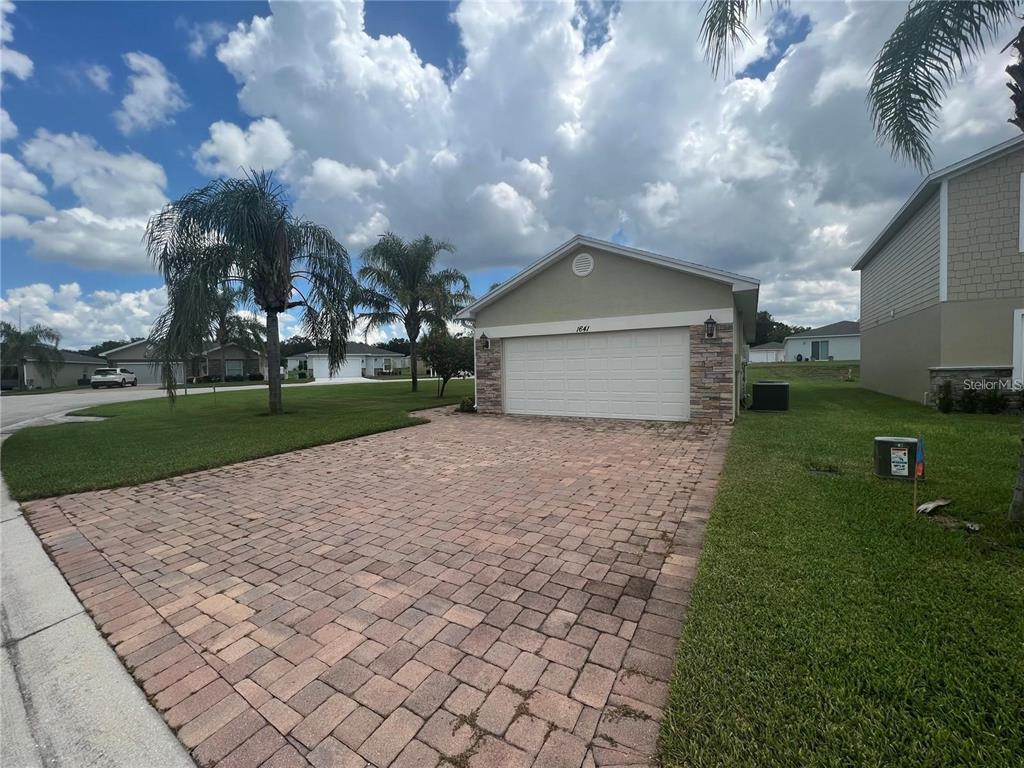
583,265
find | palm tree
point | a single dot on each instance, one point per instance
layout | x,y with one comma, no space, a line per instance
926,52
241,233
38,341
399,284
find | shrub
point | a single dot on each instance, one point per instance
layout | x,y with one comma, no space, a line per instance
302,374
944,401
467,405
255,376
993,401
969,401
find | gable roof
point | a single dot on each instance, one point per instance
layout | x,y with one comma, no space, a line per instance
769,345
73,357
928,187
126,346
356,348
842,328
737,282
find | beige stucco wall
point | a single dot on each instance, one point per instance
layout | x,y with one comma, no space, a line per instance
617,287
903,277
984,219
895,356
978,332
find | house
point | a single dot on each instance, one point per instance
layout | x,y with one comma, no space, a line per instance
598,329
942,286
837,341
214,361
361,360
77,368
769,352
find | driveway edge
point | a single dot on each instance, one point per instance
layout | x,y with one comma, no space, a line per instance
67,699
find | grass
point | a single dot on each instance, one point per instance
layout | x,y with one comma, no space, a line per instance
246,383
830,625
150,439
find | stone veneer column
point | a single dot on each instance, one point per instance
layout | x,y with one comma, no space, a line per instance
711,375
488,377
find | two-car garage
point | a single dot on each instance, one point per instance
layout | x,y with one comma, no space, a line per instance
596,329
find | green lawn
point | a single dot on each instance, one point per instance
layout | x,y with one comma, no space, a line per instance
829,625
150,439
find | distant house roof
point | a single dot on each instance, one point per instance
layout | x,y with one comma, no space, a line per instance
769,345
356,348
76,357
929,187
842,328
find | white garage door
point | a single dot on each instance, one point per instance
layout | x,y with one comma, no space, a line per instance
151,373
352,368
643,374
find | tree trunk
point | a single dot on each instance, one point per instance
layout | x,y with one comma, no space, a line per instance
274,364
1017,504
412,362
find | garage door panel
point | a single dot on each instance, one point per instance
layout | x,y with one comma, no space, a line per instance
642,374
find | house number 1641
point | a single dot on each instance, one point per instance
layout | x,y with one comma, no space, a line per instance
582,328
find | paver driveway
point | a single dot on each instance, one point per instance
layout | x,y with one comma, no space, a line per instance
476,591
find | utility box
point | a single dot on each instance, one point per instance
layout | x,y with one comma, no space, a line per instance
896,457
770,396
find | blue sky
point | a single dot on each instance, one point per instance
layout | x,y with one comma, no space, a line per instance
505,128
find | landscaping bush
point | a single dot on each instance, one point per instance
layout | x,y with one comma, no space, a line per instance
255,376
302,374
236,377
467,405
993,401
944,401
969,401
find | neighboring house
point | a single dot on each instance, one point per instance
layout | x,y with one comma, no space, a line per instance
361,360
838,341
138,357
422,368
598,329
76,368
942,286
771,352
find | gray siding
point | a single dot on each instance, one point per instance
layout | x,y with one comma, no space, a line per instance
984,214
904,277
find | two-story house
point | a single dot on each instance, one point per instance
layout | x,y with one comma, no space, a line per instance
942,286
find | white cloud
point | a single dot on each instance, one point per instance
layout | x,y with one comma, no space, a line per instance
619,131
84,319
230,151
333,179
8,130
99,76
115,195
17,64
154,98
21,191
202,36
113,185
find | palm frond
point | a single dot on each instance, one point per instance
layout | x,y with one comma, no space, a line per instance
723,30
926,52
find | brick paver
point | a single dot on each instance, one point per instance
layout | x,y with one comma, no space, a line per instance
475,591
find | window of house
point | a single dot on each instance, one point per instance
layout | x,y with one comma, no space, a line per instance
233,367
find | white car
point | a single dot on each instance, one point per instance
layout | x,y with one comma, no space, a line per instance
113,377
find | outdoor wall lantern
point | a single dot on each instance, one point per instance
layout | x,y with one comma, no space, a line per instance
484,341
709,327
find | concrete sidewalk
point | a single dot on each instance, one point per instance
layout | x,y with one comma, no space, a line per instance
67,700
